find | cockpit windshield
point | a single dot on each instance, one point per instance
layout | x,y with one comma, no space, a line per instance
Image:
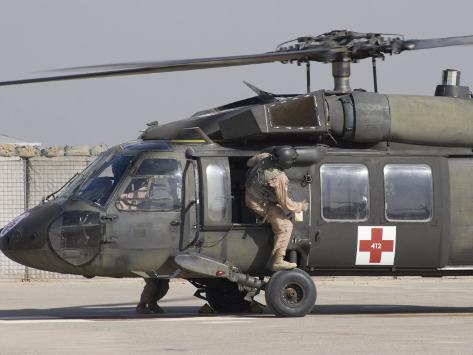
71,187
103,179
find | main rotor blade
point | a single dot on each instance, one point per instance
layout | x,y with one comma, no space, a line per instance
318,53
414,44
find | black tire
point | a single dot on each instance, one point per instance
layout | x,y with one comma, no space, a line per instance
290,293
225,297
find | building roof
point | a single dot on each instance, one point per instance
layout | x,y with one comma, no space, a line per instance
4,139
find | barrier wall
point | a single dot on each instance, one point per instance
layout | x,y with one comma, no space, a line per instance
12,203
23,184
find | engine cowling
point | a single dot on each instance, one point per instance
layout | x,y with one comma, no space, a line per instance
369,118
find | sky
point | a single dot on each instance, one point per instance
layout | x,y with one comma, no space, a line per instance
39,35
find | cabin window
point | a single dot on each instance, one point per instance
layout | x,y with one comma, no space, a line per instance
156,186
217,193
408,192
345,192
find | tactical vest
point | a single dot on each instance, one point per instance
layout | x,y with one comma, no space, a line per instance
258,178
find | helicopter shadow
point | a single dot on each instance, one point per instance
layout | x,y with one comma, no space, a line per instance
110,311
388,310
126,311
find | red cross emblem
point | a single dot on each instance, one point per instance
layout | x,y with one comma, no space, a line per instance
377,241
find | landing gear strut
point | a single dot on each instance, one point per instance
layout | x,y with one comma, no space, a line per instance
288,293
225,297
222,295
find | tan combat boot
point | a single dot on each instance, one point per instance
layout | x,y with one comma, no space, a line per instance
153,307
279,263
142,309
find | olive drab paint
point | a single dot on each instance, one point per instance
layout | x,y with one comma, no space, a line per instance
388,180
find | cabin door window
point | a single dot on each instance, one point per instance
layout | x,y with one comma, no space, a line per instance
216,191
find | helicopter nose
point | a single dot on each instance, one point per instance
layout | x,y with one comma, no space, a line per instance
3,240
13,235
15,238
26,235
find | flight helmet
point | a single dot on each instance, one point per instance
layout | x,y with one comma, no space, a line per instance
284,156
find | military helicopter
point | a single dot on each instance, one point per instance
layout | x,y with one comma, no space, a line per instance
388,178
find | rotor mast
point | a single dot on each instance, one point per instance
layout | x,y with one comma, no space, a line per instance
341,76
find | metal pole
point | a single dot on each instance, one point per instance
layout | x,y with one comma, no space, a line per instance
27,275
307,71
26,189
375,76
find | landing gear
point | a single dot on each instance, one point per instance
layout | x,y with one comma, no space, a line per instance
225,297
290,293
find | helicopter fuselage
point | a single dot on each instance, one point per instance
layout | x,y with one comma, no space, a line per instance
388,210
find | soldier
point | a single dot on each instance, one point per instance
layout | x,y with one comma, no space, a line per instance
154,290
135,194
267,195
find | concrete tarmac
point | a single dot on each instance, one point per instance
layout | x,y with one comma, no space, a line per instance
352,315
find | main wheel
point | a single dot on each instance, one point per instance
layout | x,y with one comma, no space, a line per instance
290,293
225,297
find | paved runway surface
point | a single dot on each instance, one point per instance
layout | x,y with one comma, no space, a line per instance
352,315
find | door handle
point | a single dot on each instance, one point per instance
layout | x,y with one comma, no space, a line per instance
108,217
175,223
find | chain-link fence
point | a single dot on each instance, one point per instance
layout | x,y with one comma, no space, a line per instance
23,184
12,203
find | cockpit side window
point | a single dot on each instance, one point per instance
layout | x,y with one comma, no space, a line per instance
156,186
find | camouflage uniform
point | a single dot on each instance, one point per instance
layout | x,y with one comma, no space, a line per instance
130,201
154,290
267,196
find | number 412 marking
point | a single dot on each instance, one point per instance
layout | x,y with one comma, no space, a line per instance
375,245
